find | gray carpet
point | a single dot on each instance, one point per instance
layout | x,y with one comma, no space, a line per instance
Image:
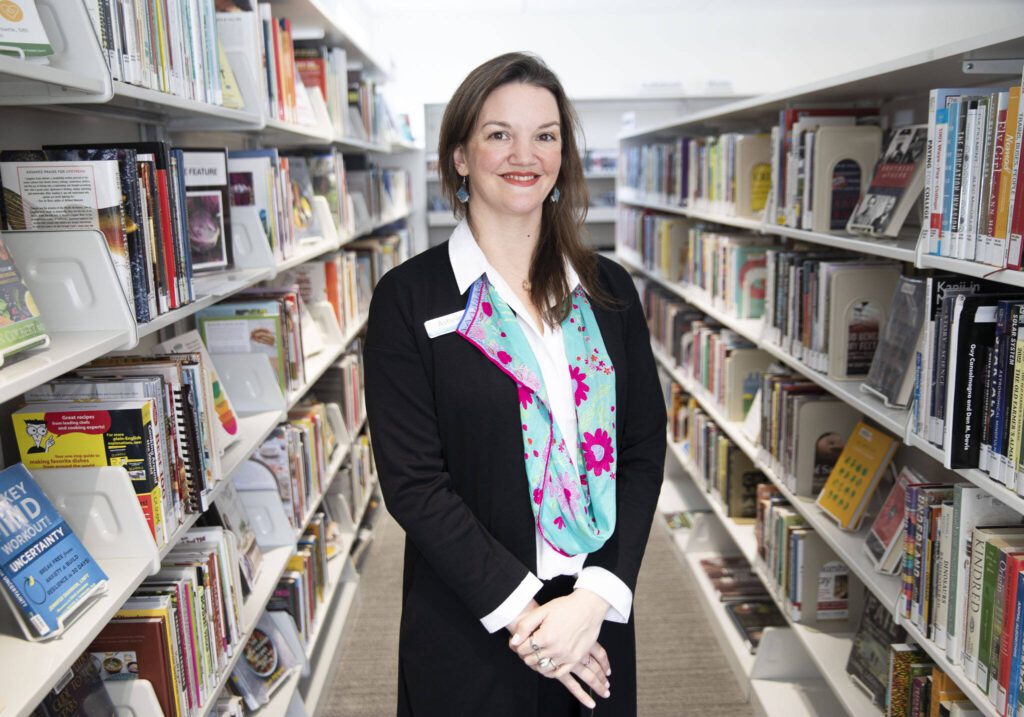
681,669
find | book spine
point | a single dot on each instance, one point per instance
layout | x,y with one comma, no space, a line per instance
1017,397
1013,676
909,515
990,577
957,558
928,197
949,174
1009,628
973,613
939,624
1006,166
960,146
998,616
992,227
920,541
1014,244
966,183
979,220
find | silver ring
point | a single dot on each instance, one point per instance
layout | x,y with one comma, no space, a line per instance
544,663
534,646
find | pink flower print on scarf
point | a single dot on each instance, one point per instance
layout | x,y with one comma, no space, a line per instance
580,388
525,395
597,451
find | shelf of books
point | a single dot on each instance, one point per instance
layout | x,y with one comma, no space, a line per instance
215,320
850,372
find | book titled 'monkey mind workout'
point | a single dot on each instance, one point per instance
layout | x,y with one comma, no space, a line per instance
44,568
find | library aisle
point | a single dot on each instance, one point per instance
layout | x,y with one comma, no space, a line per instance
681,670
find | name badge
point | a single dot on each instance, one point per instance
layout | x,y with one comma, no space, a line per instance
442,324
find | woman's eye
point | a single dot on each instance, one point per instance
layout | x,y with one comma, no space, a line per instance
548,137
499,135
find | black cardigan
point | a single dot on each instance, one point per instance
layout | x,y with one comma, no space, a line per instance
449,455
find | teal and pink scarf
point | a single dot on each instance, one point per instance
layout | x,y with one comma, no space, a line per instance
573,497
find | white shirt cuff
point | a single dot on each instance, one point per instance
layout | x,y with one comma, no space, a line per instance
605,584
514,604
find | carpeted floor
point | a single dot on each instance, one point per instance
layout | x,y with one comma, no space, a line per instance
681,669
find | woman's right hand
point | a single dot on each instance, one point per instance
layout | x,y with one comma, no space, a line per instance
592,670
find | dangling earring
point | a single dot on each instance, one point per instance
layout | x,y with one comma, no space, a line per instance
463,194
555,194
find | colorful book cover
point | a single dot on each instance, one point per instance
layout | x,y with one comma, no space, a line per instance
22,33
44,567
856,474
104,433
52,196
79,691
897,181
20,325
136,648
247,327
208,207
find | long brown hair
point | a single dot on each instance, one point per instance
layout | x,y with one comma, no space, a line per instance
561,224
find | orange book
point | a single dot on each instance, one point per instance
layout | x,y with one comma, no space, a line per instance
279,70
288,52
1003,207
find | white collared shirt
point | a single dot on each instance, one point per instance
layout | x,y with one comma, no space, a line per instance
468,264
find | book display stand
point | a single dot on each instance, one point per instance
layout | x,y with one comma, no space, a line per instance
779,679
86,316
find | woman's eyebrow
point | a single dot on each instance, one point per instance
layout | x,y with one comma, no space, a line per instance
506,125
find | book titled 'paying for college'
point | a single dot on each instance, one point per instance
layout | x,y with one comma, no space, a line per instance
44,567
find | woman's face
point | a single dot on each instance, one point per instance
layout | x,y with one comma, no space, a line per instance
514,152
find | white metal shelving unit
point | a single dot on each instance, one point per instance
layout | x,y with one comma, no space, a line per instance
78,82
904,83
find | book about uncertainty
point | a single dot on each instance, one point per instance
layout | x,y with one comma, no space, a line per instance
45,570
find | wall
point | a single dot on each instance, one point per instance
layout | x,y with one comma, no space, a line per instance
603,51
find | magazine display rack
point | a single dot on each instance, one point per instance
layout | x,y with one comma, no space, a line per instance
906,82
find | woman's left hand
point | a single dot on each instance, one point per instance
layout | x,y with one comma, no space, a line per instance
562,630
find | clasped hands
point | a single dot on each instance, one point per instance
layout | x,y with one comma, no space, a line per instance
559,639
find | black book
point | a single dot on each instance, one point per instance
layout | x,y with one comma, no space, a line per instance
971,337
868,664
751,617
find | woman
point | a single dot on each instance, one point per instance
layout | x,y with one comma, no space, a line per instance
518,423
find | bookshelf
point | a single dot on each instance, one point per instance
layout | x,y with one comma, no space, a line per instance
900,89
74,99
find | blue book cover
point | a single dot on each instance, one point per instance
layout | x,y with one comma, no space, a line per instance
1013,692
953,112
43,565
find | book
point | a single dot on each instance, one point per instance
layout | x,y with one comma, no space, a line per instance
858,308
819,431
46,572
22,33
100,433
21,327
853,480
868,664
137,648
208,206
904,660
41,195
891,376
79,691
247,327
751,618
843,157
896,183
884,541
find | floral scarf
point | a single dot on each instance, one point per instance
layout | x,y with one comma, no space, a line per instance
574,509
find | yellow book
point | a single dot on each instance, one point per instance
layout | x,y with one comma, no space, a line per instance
1003,207
856,474
93,434
230,94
